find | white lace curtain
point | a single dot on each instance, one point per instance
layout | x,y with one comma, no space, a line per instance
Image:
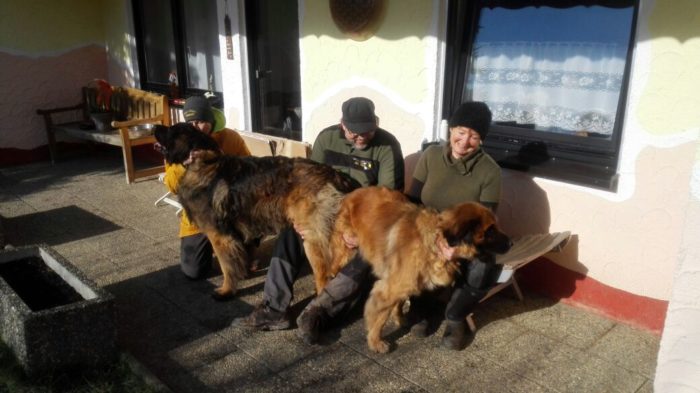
568,87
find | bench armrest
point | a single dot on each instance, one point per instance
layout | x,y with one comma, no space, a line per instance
44,112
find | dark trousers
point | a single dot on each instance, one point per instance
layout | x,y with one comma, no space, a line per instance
196,255
288,257
473,282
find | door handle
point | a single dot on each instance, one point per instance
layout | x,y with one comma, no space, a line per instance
259,74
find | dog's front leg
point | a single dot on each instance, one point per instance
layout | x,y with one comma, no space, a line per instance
231,255
377,311
319,260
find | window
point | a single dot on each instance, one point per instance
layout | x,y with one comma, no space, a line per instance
554,73
178,46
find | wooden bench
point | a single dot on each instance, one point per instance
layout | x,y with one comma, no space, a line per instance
137,106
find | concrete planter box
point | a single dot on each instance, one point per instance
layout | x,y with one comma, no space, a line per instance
52,316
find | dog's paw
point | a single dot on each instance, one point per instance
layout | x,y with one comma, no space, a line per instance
379,346
221,295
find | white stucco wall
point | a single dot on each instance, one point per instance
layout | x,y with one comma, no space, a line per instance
678,364
396,67
635,230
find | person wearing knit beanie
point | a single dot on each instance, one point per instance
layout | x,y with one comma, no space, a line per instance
469,125
197,110
444,176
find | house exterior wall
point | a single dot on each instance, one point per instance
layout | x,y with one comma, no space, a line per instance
120,44
396,68
48,50
625,242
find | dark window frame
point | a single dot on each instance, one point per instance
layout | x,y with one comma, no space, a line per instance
179,20
591,161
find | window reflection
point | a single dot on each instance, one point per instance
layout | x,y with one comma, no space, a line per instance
158,41
202,45
551,69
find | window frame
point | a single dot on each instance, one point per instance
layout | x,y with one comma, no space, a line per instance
179,20
591,161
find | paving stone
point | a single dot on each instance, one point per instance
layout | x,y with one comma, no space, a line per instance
276,349
544,316
337,368
630,348
231,371
113,232
202,351
11,206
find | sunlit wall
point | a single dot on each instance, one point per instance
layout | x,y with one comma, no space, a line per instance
48,50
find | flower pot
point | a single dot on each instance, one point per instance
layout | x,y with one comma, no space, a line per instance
53,317
102,120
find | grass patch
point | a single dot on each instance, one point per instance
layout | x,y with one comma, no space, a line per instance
117,379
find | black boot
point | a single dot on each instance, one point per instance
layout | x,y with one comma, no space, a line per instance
310,323
263,318
420,328
455,335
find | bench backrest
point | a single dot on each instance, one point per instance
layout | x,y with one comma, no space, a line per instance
131,104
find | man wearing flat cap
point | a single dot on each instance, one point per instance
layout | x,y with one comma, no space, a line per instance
370,155
460,171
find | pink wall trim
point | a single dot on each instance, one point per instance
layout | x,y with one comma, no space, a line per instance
552,280
31,83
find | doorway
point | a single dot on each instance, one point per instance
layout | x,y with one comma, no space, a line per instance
272,30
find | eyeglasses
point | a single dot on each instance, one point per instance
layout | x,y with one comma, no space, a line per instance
354,135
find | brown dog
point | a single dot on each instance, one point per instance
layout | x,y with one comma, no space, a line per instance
410,248
234,200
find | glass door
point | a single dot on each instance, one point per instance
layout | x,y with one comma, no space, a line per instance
272,28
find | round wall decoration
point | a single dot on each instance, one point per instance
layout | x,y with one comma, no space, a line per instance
358,19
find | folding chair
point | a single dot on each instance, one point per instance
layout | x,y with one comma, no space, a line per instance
525,250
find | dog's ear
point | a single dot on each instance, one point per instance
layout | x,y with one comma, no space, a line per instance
182,138
462,232
465,223
201,141
161,133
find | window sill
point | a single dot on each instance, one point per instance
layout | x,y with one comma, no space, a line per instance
553,168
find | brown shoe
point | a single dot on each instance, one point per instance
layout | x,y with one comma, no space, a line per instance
263,318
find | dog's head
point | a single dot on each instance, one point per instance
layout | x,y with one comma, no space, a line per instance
177,142
472,229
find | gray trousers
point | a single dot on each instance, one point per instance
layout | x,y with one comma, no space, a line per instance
340,295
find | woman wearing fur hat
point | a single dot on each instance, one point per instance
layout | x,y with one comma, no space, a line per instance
196,253
446,175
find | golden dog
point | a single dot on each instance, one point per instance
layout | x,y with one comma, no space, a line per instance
410,248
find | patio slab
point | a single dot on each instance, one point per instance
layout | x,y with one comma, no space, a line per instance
112,231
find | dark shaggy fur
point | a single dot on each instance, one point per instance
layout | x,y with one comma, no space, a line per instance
234,200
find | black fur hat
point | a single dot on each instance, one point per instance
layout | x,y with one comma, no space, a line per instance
475,115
